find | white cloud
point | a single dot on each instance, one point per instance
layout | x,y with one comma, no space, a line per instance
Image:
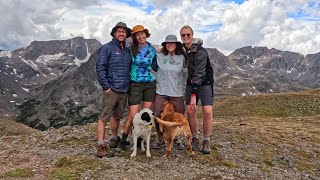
22,21
266,23
283,24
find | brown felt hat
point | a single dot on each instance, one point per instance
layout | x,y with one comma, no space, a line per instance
123,25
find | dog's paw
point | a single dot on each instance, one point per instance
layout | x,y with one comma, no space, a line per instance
133,155
143,149
149,154
165,156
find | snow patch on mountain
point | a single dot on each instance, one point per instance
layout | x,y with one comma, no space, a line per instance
289,71
48,58
16,74
241,69
25,89
5,53
30,63
78,62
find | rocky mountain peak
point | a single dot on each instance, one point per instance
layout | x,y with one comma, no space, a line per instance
24,71
53,83
250,51
77,47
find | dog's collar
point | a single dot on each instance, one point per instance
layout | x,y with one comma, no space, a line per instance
149,126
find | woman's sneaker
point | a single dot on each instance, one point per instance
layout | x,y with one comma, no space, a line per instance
178,143
158,144
195,144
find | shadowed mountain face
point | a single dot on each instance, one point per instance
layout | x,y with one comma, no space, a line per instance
260,69
312,73
73,98
58,92
24,71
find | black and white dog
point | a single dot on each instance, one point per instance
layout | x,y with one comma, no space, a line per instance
142,122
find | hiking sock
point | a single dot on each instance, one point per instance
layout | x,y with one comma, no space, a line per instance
206,138
195,136
114,137
101,143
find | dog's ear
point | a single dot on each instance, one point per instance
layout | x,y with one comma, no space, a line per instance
145,116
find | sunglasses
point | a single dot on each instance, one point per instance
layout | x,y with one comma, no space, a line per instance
184,35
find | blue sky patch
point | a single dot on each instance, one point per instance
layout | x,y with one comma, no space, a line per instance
314,4
135,3
302,15
235,1
149,9
297,14
209,28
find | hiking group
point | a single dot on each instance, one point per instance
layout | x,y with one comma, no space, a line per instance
145,76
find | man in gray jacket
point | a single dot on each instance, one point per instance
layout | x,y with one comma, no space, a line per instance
113,71
199,86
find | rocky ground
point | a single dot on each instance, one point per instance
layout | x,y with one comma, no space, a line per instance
244,146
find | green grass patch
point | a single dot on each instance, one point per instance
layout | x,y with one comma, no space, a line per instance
9,127
213,159
305,103
305,166
69,141
71,167
265,168
19,172
268,162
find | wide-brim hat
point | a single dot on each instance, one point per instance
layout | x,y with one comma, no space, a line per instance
139,28
170,39
123,25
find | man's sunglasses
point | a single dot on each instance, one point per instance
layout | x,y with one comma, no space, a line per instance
184,35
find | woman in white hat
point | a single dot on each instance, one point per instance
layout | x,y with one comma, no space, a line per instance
170,80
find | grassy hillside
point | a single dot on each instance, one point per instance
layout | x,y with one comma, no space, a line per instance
269,136
9,127
306,103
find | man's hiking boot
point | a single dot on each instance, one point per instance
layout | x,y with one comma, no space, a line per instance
195,144
205,147
103,152
114,142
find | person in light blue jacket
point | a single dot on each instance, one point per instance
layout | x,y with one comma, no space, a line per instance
171,78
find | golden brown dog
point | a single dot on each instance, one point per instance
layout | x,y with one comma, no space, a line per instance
174,124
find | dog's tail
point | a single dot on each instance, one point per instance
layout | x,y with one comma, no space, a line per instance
167,123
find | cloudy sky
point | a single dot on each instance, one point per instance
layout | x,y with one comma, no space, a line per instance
292,25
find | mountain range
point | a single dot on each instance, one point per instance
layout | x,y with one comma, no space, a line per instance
53,83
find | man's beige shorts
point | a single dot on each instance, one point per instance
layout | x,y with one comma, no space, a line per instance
113,103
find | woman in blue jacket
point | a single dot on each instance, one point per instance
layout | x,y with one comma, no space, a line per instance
143,85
